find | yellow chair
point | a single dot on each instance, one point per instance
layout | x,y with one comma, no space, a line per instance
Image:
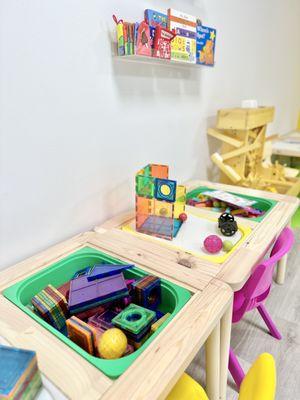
258,384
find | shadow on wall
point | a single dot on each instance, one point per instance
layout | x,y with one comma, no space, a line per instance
118,199
213,145
203,151
152,78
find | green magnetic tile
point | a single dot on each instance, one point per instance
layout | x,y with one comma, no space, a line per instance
134,318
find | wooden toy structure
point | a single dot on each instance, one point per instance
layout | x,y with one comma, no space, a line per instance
242,132
159,202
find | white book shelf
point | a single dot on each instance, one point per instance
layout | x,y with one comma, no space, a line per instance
154,61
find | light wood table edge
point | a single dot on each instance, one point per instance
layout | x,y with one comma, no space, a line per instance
251,251
66,369
58,361
162,361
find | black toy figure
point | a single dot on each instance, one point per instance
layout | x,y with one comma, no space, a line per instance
227,224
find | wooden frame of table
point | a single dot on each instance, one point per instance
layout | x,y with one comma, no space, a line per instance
206,318
238,266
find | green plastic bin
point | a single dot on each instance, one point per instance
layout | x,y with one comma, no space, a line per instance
174,298
263,204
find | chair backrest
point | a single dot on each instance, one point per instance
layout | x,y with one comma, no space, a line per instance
187,389
260,381
260,281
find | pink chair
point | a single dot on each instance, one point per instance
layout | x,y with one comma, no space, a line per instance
254,293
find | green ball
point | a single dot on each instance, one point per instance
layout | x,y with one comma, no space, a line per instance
216,204
227,245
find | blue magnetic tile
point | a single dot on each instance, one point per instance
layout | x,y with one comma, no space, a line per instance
177,225
102,270
13,363
158,193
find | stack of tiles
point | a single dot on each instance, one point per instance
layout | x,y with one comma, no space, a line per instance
147,292
135,322
103,284
183,46
82,334
19,374
51,305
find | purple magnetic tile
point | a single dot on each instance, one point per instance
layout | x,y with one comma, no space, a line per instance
83,292
103,320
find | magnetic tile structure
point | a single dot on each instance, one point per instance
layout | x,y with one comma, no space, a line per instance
19,374
159,202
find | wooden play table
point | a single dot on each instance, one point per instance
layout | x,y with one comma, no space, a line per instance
236,269
206,318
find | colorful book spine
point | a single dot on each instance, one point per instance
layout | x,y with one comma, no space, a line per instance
205,46
183,46
120,36
135,33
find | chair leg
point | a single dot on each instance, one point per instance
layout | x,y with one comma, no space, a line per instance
269,322
235,369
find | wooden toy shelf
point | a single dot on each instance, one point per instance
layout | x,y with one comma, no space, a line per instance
155,61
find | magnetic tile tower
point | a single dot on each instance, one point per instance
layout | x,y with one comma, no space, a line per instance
159,202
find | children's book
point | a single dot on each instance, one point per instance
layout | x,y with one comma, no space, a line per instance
154,18
129,38
183,46
205,46
120,36
143,40
152,35
135,35
162,43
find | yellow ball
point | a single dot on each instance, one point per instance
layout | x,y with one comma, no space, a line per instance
112,344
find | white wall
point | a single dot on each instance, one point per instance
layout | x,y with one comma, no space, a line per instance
75,124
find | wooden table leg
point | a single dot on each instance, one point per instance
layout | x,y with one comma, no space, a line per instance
212,352
281,268
225,332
